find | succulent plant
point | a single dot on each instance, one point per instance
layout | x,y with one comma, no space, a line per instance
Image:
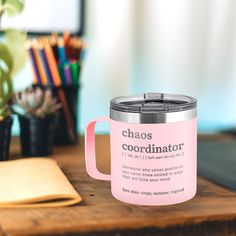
35,102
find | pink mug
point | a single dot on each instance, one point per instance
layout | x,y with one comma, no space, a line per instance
153,143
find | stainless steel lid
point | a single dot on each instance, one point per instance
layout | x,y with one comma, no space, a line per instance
153,108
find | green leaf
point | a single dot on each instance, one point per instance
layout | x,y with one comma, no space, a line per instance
14,40
6,61
6,91
12,7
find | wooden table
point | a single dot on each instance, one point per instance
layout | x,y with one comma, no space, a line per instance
211,212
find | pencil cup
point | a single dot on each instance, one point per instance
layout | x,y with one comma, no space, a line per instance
37,135
66,129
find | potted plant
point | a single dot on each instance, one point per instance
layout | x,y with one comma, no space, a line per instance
12,58
37,113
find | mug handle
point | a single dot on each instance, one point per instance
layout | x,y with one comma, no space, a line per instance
90,156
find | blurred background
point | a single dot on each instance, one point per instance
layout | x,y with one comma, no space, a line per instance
171,46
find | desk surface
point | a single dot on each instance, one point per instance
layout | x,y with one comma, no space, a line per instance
211,212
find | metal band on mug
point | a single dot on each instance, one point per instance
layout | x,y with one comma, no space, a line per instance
145,118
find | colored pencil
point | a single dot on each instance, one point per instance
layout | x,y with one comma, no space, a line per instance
61,71
66,36
39,64
61,51
67,74
52,65
46,64
53,43
74,67
33,62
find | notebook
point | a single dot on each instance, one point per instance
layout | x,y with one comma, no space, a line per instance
217,162
35,182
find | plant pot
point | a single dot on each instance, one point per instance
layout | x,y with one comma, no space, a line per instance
5,138
37,135
62,132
